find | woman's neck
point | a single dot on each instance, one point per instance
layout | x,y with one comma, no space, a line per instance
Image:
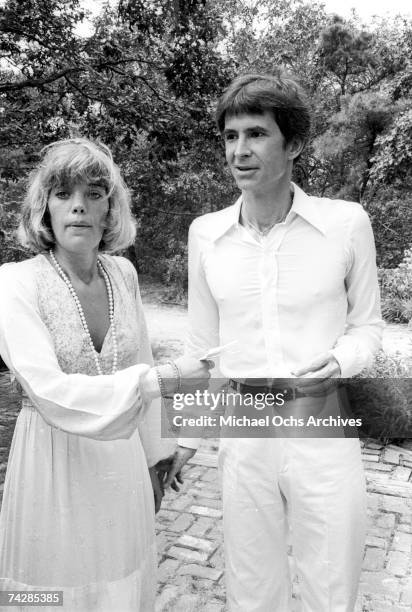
82,266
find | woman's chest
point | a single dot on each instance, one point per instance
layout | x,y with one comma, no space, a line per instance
71,327
95,306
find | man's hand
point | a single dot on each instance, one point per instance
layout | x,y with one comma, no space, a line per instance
319,376
179,459
158,490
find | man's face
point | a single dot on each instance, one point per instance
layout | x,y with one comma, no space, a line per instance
256,152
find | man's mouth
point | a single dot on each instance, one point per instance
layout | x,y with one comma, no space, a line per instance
245,168
79,225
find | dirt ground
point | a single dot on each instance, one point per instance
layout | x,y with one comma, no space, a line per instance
167,322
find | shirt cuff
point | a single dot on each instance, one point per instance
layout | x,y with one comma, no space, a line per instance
149,385
193,443
349,357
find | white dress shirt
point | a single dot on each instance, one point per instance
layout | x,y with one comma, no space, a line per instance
308,287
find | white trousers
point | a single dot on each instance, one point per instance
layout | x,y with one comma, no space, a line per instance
316,489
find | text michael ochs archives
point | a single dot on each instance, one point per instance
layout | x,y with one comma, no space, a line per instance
275,421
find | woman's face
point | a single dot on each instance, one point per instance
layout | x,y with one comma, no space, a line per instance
78,214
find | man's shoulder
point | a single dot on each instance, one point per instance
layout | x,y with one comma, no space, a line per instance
207,224
340,212
337,206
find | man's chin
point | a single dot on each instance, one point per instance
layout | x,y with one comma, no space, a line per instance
245,184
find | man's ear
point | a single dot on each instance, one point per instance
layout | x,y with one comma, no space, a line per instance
295,147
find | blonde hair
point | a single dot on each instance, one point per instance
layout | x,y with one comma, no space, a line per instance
69,162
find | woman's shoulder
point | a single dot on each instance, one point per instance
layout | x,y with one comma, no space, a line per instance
20,278
122,264
21,270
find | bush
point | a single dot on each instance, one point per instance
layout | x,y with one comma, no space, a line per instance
176,274
388,366
382,397
396,291
390,212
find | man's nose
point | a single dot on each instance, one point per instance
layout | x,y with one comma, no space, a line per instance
242,148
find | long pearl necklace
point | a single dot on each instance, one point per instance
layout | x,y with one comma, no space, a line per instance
81,312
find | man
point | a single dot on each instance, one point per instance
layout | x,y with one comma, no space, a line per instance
292,280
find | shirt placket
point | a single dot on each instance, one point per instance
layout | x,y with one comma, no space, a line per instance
269,274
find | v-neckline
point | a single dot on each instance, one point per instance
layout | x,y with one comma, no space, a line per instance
107,333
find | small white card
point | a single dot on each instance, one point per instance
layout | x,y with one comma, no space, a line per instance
218,350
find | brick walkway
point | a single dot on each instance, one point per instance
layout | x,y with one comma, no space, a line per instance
189,536
190,530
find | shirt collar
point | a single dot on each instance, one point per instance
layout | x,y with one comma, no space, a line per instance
303,205
307,208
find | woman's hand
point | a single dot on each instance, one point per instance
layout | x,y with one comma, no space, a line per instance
179,459
158,490
164,468
194,374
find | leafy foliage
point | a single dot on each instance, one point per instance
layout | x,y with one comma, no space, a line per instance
382,397
145,81
10,250
396,288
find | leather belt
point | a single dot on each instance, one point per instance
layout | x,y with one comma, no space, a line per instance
288,393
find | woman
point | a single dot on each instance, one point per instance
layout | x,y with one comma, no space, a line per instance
78,511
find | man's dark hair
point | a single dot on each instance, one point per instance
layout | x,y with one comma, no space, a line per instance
277,93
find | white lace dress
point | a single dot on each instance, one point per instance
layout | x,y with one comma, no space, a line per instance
78,512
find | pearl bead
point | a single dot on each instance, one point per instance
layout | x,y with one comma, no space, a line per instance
82,315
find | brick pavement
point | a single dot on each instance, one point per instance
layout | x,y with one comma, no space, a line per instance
189,529
190,549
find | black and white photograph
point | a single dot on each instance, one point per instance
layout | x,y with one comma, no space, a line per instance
206,305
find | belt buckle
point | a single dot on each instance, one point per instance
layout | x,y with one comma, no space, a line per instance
235,384
291,391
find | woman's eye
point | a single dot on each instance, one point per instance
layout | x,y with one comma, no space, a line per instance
95,195
61,194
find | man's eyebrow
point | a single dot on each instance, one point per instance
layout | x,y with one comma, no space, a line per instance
252,128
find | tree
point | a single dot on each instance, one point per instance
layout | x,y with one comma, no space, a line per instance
146,80
143,82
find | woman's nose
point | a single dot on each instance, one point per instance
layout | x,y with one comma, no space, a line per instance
78,203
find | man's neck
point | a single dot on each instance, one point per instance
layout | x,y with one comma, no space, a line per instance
264,209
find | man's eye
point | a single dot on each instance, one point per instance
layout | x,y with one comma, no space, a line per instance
229,137
256,134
